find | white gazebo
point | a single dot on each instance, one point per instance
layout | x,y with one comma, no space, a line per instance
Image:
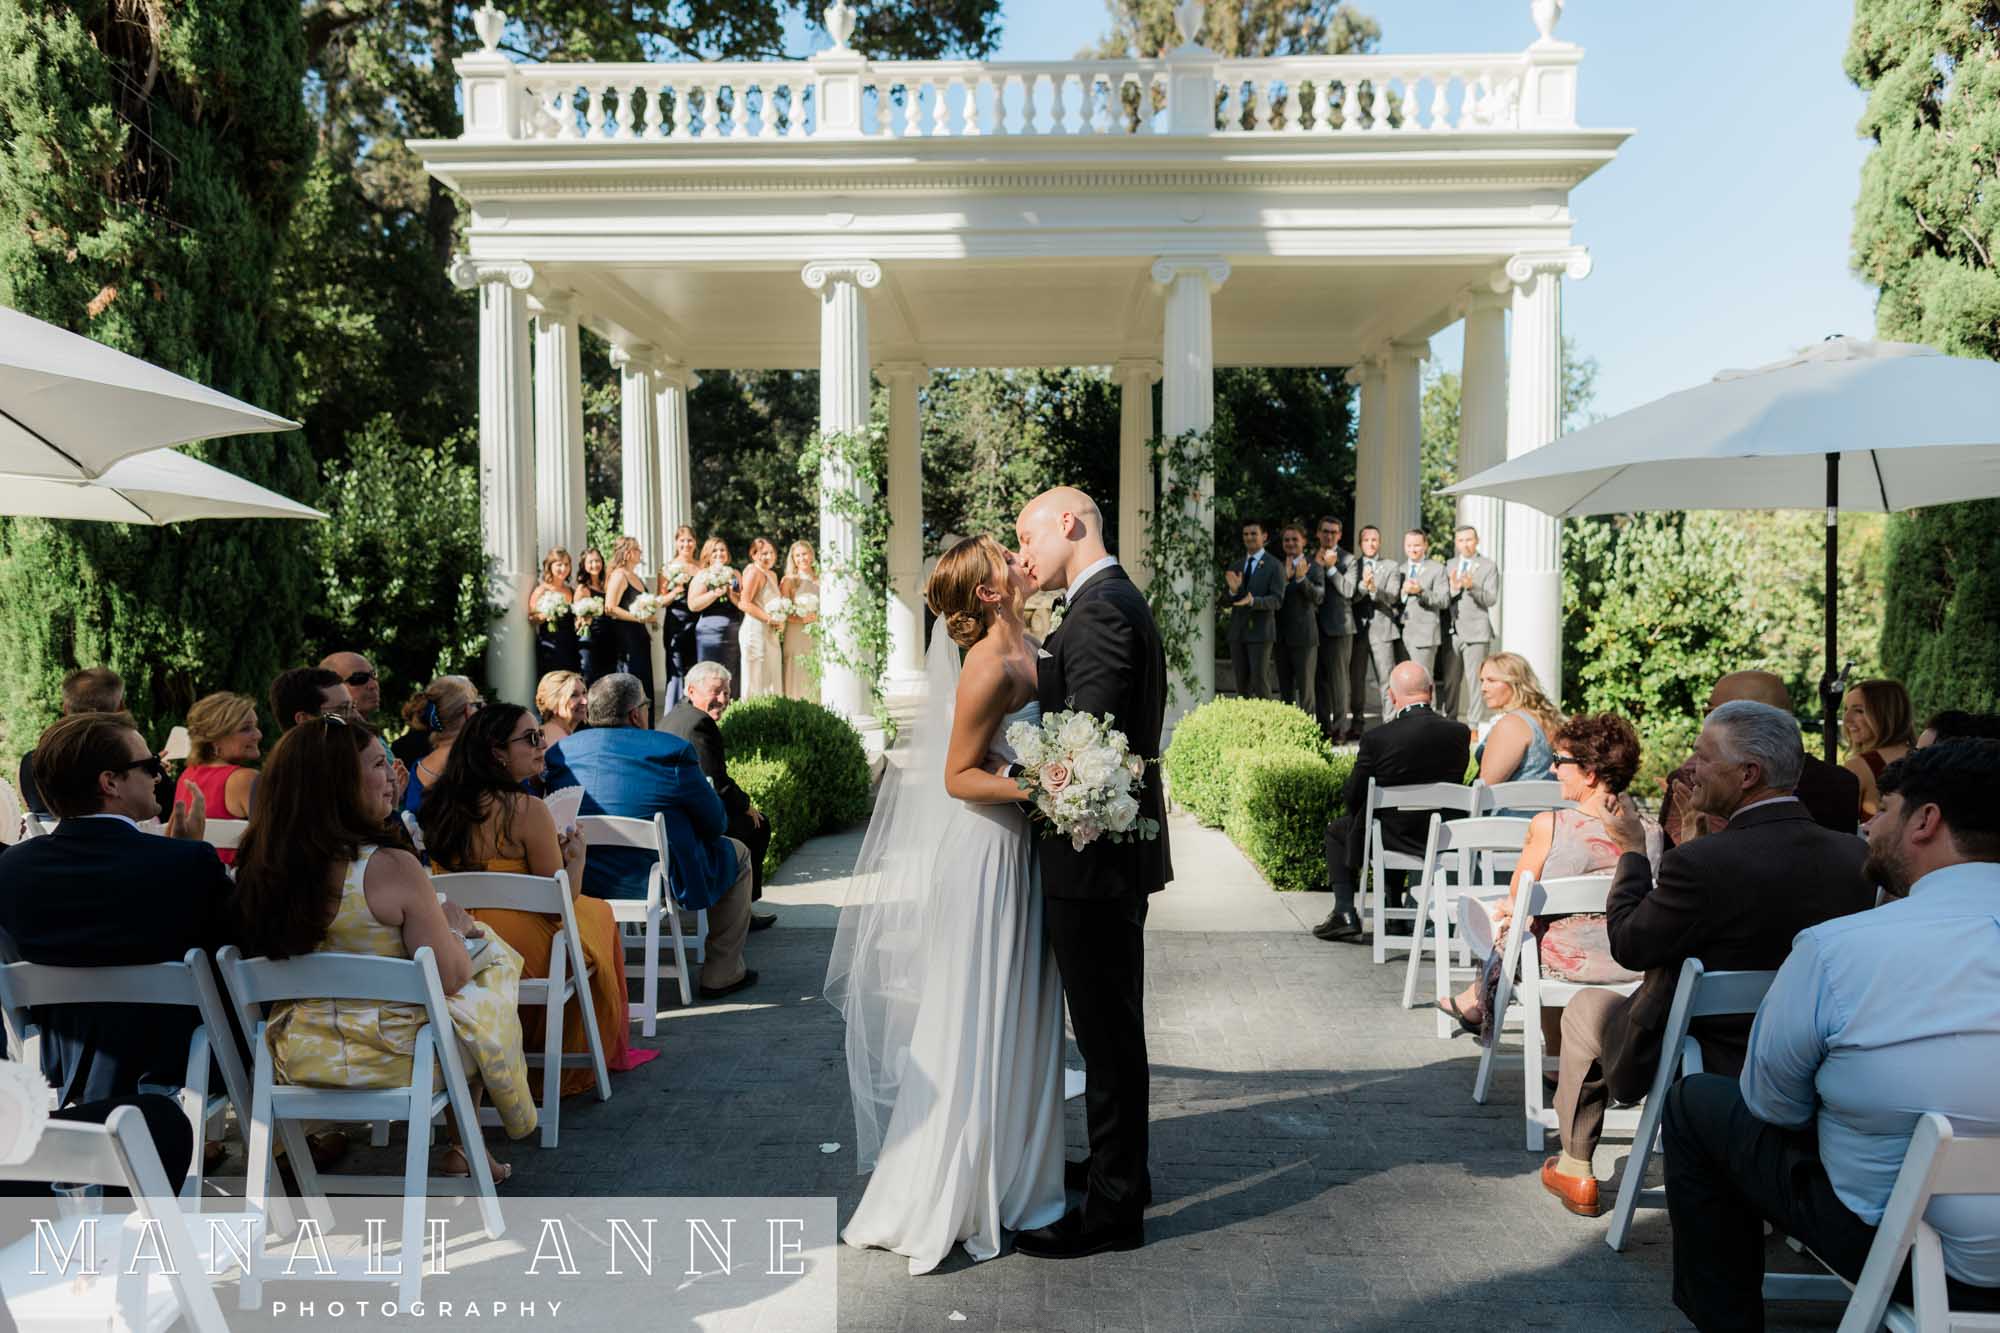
1160,216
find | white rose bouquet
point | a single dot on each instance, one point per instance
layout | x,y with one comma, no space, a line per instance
586,609
781,610
806,604
722,576
678,573
1082,778
551,607
646,606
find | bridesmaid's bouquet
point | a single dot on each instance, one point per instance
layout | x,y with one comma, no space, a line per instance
722,576
586,609
677,573
647,607
806,604
780,610
551,607
1081,778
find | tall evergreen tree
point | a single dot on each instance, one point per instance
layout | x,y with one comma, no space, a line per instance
1925,231
150,159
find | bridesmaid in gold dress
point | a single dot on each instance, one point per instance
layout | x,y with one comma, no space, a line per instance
801,580
323,869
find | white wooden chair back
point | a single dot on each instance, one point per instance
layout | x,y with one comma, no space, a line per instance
1698,993
1459,857
36,826
188,984
1939,1162
640,920
1449,798
567,982
154,1293
13,812
1525,794
224,834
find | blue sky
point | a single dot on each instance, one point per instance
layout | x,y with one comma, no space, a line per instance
1720,234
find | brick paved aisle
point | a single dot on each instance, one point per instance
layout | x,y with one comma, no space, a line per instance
1317,1159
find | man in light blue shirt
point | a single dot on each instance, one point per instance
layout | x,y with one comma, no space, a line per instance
1874,1019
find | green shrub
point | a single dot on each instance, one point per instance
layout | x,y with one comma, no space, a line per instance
801,765
1283,802
1197,763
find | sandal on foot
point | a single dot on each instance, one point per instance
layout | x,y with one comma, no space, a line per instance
1465,1021
463,1165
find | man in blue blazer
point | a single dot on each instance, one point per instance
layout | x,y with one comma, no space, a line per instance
100,892
629,769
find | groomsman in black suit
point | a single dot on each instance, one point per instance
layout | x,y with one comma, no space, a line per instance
1256,591
1336,631
1298,620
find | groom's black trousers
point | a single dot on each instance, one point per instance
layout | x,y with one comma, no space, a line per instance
1100,950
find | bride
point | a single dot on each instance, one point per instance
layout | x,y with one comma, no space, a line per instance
940,965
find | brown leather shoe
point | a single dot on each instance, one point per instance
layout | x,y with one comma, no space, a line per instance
1577,1193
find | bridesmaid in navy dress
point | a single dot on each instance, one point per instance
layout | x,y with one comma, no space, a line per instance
594,648
556,647
721,616
634,642
677,622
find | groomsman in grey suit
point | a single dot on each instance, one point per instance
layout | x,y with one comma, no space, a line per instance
1336,632
1475,590
1298,620
1422,593
1256,590
1375,586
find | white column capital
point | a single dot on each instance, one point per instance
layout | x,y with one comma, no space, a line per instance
1492,296
1372,366
1142,368
673,375
1572,262
1212,268
863,273
635,357
467,273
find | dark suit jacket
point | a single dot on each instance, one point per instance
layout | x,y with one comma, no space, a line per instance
699,730
634,773
1106,658
1298,617
1418,745
1830,794
1734,899
99,893
1257,622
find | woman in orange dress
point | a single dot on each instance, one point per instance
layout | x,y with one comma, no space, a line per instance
477,817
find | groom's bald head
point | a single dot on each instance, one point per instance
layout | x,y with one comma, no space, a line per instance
1061,533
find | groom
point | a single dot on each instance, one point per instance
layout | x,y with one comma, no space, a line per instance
1105,659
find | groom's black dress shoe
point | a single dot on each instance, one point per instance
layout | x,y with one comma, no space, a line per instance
1342,923
1069,1238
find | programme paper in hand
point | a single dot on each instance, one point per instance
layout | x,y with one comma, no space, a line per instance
564,804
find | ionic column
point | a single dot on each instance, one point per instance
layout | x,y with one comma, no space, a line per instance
1136,378
1531,565
1187,404
843,410
1482,416
1370,378
906,526
671,385
506,466
1401,443
559,484
638,453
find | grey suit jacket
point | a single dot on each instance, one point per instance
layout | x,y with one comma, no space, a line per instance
1257,622
1377,608
1298,618
1469,618
1336,611
1422,613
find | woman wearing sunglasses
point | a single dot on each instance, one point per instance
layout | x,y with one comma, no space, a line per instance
477,817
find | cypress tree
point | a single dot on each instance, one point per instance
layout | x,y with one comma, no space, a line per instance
1925,231
150,158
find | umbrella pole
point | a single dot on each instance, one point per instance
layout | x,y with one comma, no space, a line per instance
1829,683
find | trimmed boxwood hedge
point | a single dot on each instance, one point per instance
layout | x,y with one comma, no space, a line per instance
1198,762
1278,818
802,765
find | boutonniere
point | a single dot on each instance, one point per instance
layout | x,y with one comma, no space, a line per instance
1057,610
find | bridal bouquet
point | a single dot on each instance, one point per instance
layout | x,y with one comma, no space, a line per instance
586,609
646,606
1082,778
551,606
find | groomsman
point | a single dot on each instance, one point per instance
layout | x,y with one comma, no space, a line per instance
1256,590
1374,652
1475,590
1336,632
1421,595
1298,620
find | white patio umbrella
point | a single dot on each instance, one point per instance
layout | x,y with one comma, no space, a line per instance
156,487
71,407
1870,427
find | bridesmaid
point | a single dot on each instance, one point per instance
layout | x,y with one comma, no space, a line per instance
556,647
758,637
595,649
801,580
714,598
633,646
677,622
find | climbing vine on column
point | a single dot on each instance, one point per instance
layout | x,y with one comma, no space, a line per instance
864,618
1181,548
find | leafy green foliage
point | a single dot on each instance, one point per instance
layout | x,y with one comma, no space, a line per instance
601,522
861,644
1941,631
1243,28
1287,438
1200,762
1180,552
1283,800
800,764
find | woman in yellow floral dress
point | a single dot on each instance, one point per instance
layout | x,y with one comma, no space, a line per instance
322,869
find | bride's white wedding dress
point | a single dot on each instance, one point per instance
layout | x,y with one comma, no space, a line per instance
969,1110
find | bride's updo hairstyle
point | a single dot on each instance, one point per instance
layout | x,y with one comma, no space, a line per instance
952,592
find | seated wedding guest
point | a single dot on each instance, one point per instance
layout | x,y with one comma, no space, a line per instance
308,692
629,769
318,871
563,701
226,743
1879,722
364,687
476,817
1830,794
1516,748
1873,1020
694,722
1597,756
1955,724
1733,899
98,892
1418,744
96,689
438,714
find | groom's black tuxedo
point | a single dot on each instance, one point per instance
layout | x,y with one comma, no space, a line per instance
1106,658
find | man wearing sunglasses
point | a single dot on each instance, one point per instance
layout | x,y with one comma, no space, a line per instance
357,673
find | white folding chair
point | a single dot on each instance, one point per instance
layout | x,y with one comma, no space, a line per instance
223,834
1447,797
256,983
568,980
1459,857
36,826
1527,794
639,919
13,813
1698,994
187,984
169,1274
